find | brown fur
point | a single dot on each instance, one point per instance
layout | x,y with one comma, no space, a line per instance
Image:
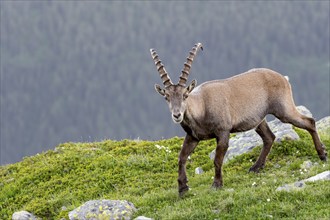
217,108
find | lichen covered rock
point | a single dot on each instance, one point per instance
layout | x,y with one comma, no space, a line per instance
306,165
23,215
103,209
321,176
323,126
301,184
303,110
292,186
282,131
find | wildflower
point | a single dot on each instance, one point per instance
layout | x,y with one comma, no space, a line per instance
158,146
268,200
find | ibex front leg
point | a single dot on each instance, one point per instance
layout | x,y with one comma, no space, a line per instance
220,152
189,145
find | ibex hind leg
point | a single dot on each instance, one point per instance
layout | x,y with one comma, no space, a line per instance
301,121
268,138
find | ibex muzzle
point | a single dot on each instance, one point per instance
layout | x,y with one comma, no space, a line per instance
217,108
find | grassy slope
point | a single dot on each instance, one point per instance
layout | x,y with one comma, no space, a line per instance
53,183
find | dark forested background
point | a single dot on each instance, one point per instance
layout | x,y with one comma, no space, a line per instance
82,71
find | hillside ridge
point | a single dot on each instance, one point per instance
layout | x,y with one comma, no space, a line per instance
55,182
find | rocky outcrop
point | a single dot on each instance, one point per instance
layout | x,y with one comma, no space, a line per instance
103,209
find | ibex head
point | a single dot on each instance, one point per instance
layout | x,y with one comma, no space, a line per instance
176,95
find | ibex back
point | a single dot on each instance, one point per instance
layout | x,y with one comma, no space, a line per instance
217,108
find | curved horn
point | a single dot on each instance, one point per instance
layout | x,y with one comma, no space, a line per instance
161,69
187,65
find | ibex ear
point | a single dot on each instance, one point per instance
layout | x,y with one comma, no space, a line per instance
192,86
160,90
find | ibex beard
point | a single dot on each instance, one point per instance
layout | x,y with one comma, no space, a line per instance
217,108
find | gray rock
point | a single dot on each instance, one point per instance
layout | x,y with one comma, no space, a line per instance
142,218
241,143
292,186
199,170
303,110
323,126
103,209
301,184
277,166
306,164
285,187
321,176
282,131
230,190
23,215
212,155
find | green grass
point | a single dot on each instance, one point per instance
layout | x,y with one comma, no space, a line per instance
55,182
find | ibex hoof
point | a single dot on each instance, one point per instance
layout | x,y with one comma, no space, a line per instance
322,153
255,168
323,157
183,190
216,185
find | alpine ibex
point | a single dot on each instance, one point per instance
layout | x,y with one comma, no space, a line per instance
217,108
